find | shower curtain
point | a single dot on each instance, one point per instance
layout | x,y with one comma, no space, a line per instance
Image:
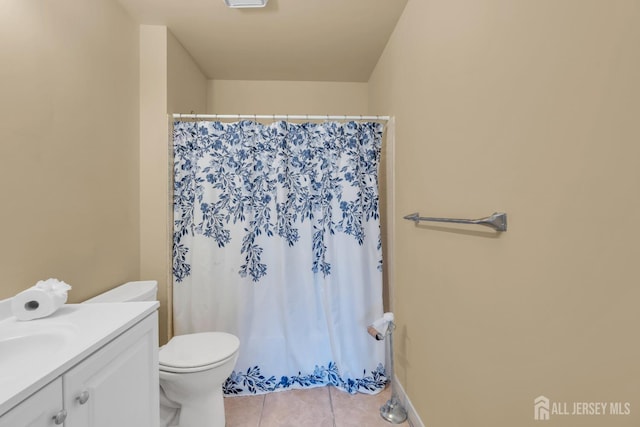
277,241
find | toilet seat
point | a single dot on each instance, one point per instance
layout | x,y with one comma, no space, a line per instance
174,370
197,352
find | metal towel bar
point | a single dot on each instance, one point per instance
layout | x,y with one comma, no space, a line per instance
497,221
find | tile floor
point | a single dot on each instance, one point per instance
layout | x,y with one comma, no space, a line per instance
315,407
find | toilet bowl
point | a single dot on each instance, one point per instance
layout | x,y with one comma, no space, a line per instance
193,367
192,370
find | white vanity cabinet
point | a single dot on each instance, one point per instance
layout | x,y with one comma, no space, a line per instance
115,384
40,410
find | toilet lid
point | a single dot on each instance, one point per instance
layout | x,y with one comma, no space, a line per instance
193,350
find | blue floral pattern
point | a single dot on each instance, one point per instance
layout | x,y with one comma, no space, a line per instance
273,178
253,382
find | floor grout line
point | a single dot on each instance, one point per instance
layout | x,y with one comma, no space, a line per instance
333,412
264,398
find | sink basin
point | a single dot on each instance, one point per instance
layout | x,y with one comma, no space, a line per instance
24,345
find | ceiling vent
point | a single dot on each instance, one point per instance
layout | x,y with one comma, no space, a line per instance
246,3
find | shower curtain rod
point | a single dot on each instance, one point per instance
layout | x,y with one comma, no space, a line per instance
277,117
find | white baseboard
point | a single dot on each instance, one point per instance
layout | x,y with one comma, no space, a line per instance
412,415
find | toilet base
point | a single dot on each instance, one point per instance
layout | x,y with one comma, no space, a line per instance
207,411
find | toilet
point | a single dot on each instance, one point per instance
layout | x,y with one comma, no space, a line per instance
193,367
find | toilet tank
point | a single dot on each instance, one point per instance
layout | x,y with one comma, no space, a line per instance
145,290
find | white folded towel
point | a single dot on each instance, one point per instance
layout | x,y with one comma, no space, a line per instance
378,328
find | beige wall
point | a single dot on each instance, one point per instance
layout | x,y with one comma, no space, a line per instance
186,84
531,108
69,145
286,97
169,82
154,180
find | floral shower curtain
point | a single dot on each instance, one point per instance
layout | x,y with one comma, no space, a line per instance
277,241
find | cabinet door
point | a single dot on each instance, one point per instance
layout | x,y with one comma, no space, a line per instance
117,386
38,410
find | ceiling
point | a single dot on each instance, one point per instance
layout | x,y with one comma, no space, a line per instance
313,40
